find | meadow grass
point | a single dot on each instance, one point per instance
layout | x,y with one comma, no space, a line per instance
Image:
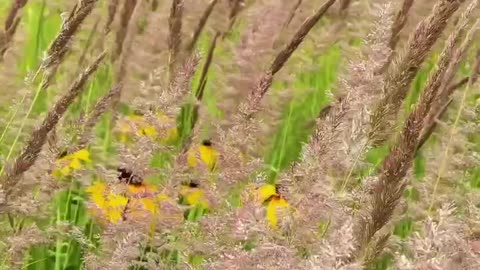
311,90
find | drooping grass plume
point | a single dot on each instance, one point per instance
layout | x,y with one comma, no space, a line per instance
399,76
125,17
201,25
61,45
55,56
447,87
98,110
397,26
175,34
341,128
391,185
236,6
87,45
10,27
38,137
292,13
282,57
112,12
125,35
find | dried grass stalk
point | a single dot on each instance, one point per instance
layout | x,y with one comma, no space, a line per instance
38,138
236,7
201,25
98,110
127,35
125,17
201,86
112,11
391,185
10,27
60,46
292,13
282,57
444,100
406,65
175,34
397,26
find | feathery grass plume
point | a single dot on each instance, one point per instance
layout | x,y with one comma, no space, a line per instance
441,243
175,35
341,130
267,255
397,26
391,184
170,99
38,137
112,11
262,86
125,18
446,89
254,50
10,27
128,31
98,110
201,86
292,13
20,242
399,76
88,43
236,6
201,25
61,45
460,83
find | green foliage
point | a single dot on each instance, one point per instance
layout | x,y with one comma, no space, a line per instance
312,95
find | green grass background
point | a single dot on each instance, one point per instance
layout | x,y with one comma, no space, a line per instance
313,89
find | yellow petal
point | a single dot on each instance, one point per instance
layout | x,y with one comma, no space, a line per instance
192,158
99,200
149,205
114,215
209,156
97,187
149,131
275,207
65,171
117,200
196,197
75,164
144,188
82,155
266,191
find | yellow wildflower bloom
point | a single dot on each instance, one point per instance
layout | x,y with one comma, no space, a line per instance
206,153
276,206
192,195
71,162
139,201
144,128
265,192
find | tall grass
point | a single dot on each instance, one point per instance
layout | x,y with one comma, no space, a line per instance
239,135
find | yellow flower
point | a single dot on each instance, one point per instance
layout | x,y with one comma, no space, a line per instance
125,128
206,153
139,201
265,192
71,162
192,195
276,206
